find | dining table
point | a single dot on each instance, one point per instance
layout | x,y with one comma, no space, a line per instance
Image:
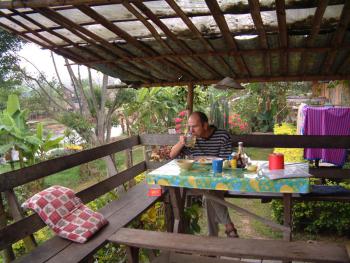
201,179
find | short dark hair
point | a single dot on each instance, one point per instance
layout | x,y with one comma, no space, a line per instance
202,117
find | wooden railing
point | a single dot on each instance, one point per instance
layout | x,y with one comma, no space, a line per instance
33,223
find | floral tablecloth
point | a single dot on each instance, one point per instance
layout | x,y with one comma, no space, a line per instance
202,177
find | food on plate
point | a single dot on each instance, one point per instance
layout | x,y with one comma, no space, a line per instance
185,164
252,168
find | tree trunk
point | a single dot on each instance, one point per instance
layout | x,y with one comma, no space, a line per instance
17,214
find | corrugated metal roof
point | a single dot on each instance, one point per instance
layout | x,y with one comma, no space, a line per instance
199,41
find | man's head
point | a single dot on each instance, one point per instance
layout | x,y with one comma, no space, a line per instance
198,123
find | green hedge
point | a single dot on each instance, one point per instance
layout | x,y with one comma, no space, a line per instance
312,217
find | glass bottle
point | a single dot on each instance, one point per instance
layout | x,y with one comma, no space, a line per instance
241,156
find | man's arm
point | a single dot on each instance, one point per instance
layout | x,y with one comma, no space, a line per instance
176,149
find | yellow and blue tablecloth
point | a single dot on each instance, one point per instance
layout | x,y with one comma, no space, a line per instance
202,177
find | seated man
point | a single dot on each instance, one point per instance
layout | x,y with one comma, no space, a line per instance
210,142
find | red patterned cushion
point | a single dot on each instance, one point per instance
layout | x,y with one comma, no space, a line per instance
65,214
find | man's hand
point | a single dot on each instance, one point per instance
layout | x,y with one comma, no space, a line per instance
176,149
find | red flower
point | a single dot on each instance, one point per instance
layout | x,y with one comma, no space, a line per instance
178,120
182,113
178,126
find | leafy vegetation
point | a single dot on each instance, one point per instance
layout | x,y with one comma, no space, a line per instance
312,217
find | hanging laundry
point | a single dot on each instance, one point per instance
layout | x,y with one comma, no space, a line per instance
327,121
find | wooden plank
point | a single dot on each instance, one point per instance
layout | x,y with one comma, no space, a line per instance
331,173
198,34
263,141
118,213
287,216
225,31
337,38
53,3
316,77
256,15
33,223
173,257
184,67
293,141
12,179
127,37
234,53
136,205
309,42
283,35
241,248
95,40
182,45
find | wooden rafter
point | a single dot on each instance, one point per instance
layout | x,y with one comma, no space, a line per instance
250,52
53,3
337,38
66,4
197,33
173,37
225,31
309,42
251,79
283,35
127,37
86,50
185,68
255,13
58,51
95,41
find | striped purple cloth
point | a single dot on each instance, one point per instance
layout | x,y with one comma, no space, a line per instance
327,121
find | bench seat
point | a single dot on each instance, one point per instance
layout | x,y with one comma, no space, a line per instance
118,213
233,248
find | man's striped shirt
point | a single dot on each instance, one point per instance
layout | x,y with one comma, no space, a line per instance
219,144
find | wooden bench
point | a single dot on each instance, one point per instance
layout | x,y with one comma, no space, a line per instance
230,248
119,212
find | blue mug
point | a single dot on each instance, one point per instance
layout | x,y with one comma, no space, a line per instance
217,165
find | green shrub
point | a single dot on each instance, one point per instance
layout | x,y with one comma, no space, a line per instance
313,217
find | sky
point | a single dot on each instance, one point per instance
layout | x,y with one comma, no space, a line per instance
42,60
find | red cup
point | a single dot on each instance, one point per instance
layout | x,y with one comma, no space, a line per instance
276,161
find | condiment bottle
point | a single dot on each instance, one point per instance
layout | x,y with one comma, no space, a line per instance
241,160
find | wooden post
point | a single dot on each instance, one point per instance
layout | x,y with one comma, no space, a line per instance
132,254
17,214
287,216
190,93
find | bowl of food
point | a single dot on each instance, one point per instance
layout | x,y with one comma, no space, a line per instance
185,164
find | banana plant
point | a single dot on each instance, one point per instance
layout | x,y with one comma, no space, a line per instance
15,133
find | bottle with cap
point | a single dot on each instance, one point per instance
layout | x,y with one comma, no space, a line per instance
241,156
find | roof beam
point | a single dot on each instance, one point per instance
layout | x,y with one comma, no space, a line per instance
58,51
283,36
309,42
338,37
173,37
95,41
128,38
250,52
185,68
225,31
256,15
67,40
248,80
52,3
198,34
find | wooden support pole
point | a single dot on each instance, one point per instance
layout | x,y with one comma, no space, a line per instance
190,92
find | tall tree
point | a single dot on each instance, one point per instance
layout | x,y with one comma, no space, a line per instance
9,45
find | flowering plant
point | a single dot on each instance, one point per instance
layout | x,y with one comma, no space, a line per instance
181,122
237,125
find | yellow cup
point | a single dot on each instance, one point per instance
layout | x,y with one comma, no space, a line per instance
233,163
